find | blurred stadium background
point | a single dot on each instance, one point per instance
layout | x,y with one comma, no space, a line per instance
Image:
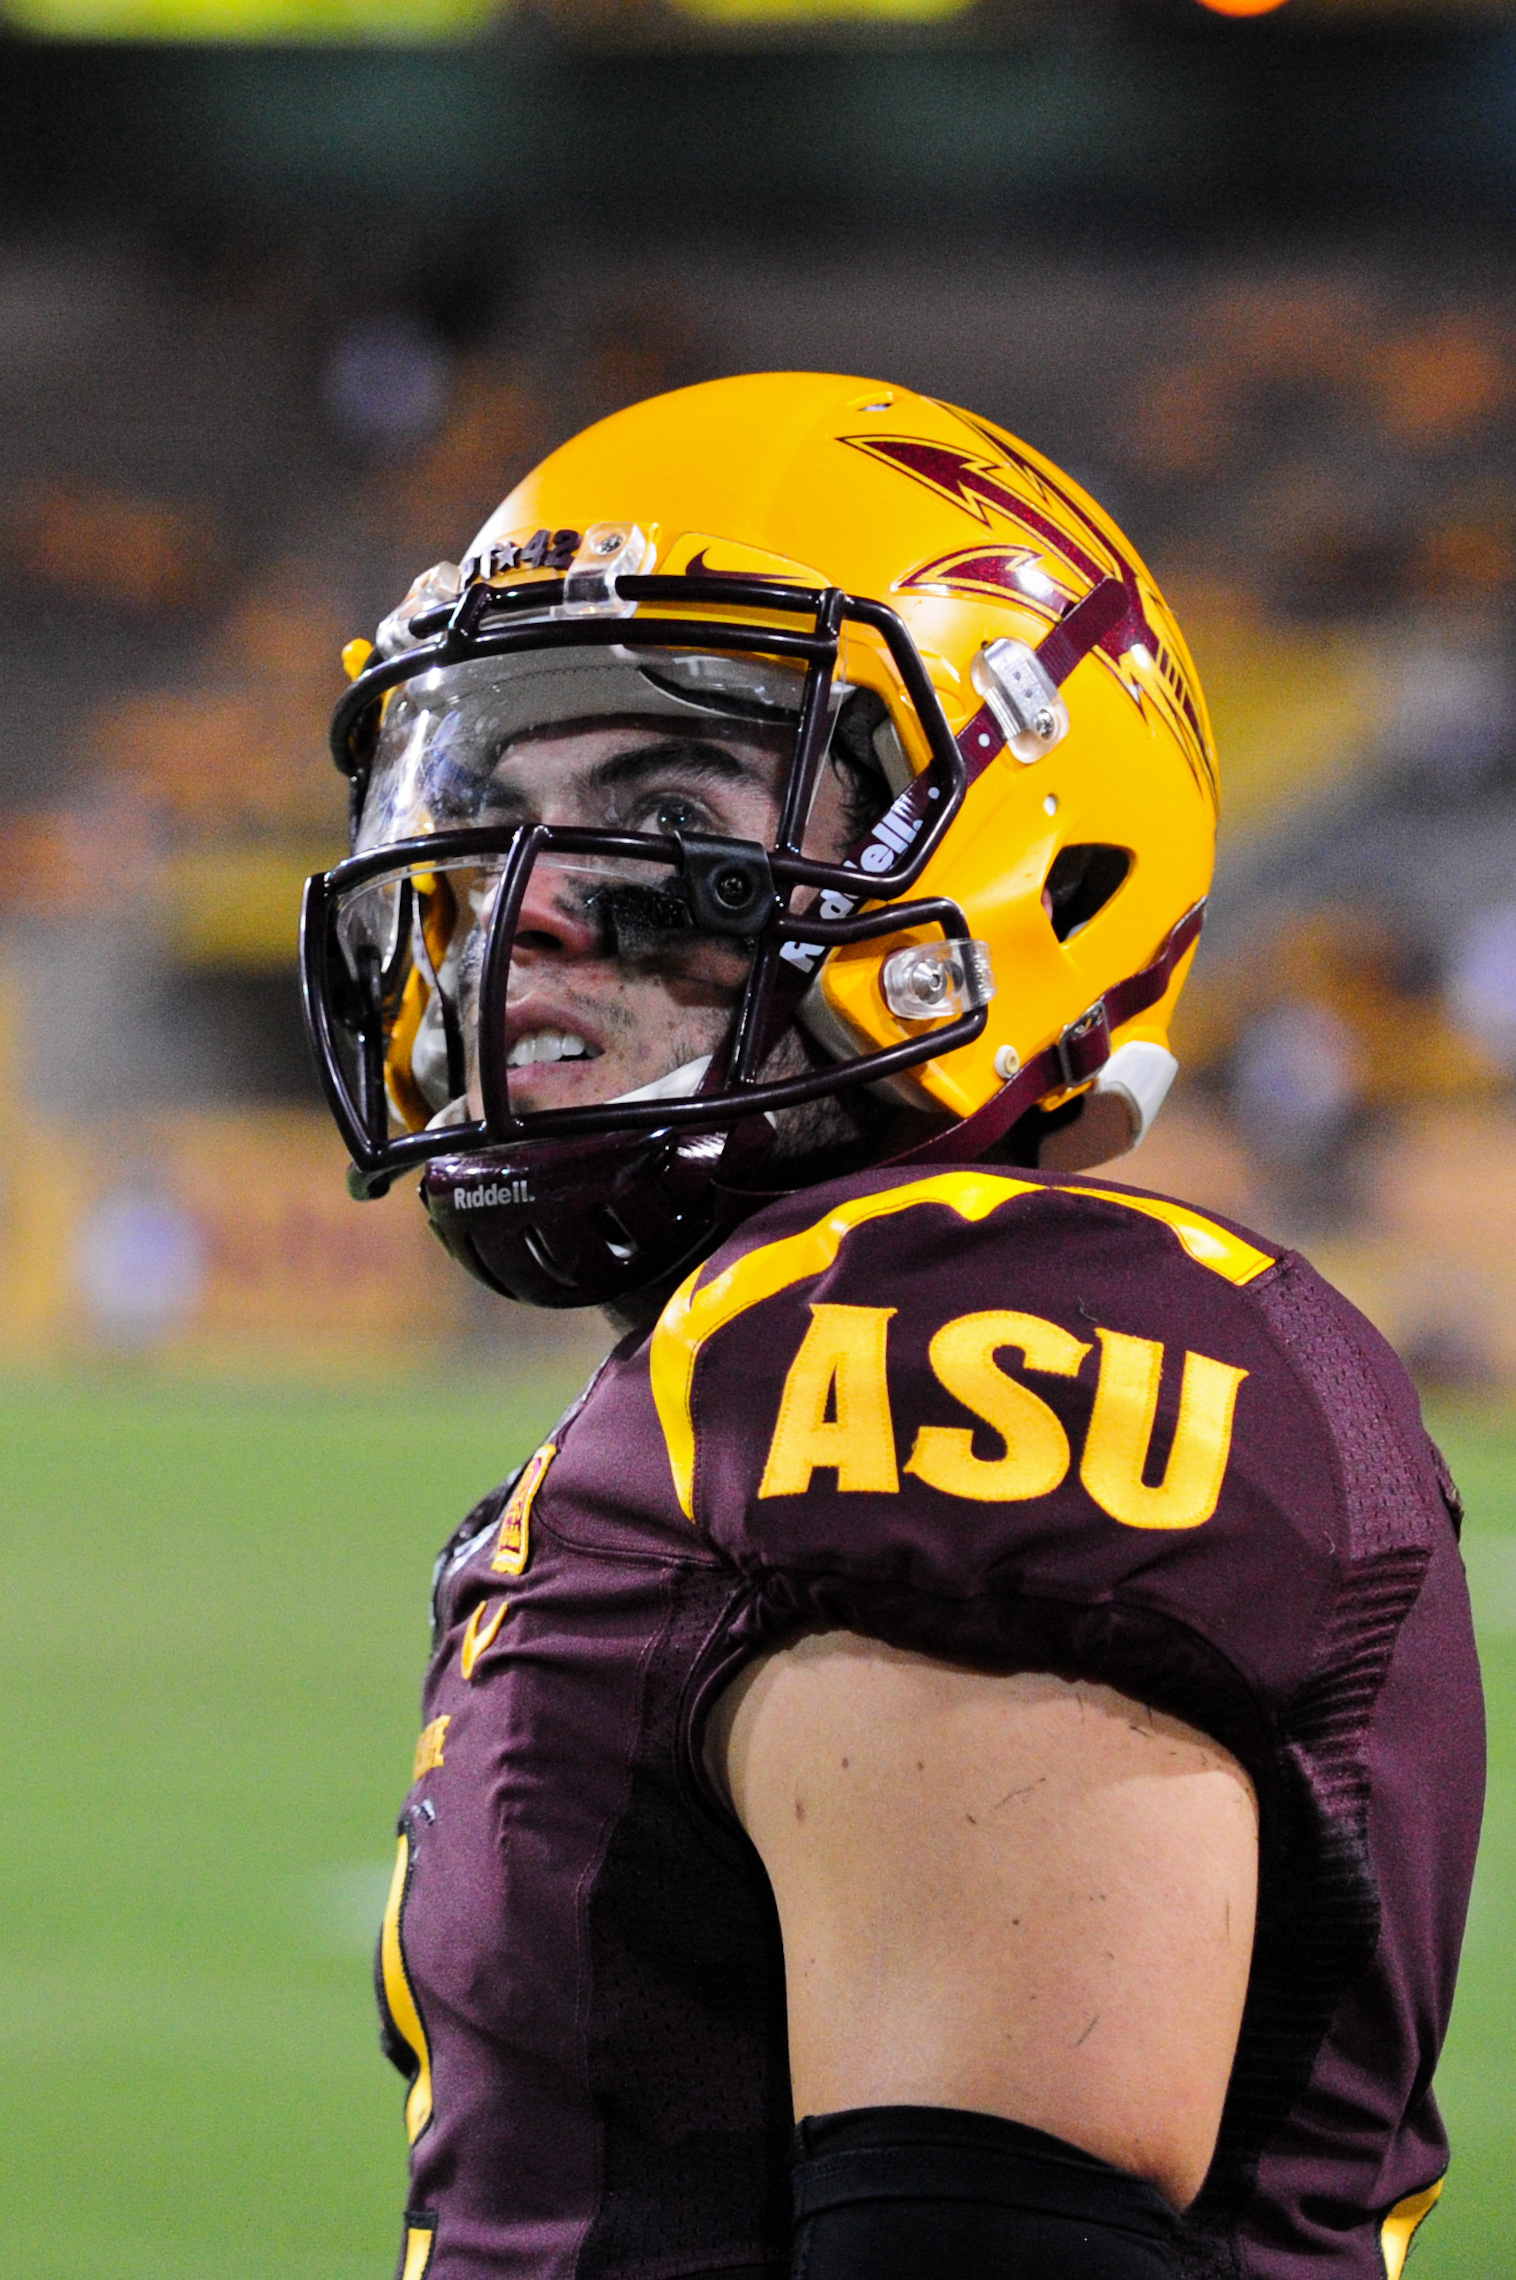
290,292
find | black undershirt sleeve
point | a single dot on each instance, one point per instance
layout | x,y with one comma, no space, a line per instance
931,2193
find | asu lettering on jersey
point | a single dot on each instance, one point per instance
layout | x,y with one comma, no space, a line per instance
836,1411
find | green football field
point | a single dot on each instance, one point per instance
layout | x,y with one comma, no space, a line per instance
214,1611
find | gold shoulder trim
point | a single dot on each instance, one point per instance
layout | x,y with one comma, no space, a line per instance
1226,1254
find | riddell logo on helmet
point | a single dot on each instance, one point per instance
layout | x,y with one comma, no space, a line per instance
498,1191
893,835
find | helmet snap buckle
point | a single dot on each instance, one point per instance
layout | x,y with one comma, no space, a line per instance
1085,1046
929,979
1023,696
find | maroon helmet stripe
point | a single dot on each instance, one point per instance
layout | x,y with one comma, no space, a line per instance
1085,627
1108,605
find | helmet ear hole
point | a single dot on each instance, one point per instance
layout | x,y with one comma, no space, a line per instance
1081,883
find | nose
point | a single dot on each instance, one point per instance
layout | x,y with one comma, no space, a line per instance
556,919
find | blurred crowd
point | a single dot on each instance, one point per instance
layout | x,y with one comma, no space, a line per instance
218,465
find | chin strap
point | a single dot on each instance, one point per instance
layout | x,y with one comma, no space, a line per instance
1079,1054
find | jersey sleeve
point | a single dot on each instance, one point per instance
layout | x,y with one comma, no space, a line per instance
1022,1425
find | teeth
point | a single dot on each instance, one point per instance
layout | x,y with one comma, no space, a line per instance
547,1045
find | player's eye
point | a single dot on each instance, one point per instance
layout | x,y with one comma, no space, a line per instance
668,812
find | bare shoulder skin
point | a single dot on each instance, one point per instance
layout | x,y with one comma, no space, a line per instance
1011,1894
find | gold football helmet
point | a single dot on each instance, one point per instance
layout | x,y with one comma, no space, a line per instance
817,581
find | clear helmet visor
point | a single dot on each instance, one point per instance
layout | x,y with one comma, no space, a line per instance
613,990
448,733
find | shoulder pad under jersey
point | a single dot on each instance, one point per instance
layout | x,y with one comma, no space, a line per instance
935,1405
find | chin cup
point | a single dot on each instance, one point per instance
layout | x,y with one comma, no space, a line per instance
583,1224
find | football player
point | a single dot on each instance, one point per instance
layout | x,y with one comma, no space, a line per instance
962,1751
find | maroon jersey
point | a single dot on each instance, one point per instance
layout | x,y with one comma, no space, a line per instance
1018,1424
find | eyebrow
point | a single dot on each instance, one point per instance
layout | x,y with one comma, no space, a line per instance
690,755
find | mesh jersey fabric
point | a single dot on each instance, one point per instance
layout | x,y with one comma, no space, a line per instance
591,1965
